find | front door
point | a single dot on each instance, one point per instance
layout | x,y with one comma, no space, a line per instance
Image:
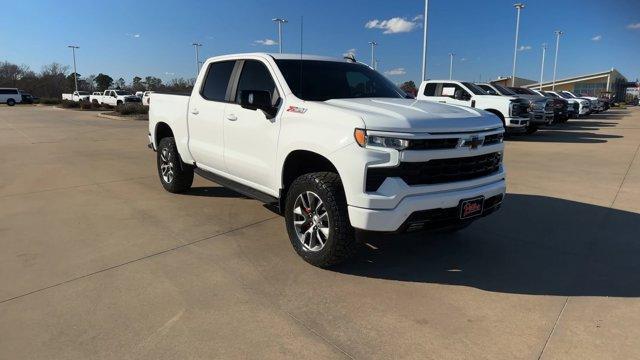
251,136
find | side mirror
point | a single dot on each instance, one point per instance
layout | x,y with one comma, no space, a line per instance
257,100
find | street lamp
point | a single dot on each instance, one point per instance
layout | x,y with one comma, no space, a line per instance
519,7
451,55
424,41
280,22
555,62
544,51
373,44
75,72
197,47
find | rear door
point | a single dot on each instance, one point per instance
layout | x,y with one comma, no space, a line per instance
205,114
250,136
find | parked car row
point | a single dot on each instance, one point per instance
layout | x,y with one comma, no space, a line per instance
521,110
113,97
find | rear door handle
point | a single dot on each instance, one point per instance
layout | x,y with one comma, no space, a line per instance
195,111
232,117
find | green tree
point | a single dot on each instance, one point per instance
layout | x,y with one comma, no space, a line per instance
136,84
120,84
103,82
153,83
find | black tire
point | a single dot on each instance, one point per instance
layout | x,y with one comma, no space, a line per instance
11,102
531,129
181,174
341,243
119,102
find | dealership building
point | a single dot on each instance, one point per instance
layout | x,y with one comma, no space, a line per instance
596,84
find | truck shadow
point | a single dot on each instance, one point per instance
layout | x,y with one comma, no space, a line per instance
535,245
565,136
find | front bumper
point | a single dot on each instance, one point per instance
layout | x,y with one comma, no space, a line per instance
399,218
516,124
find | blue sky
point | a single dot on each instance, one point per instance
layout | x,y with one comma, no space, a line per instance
129,38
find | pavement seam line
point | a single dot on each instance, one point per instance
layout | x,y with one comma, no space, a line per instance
553,330
624,178
138,259
319,335
75,186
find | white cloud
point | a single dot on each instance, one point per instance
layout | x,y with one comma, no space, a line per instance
596,38
265,42
169,73
463,59
635,26
350,52
393,26
418,17
395,72
136,36
524,48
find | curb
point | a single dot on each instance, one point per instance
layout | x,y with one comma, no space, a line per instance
119,118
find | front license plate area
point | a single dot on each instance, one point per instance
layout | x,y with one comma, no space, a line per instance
469,208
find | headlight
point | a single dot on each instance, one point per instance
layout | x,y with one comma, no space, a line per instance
363,139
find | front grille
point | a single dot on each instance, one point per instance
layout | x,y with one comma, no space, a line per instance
493,139
520,109
436,171
433,144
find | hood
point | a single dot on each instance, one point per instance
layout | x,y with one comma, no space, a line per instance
408,115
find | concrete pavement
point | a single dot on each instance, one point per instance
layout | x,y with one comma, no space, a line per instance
100,262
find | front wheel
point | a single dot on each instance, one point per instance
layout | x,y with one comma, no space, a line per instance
317,220
531,129
11,102
175,176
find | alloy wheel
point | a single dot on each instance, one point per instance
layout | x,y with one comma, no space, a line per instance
311,221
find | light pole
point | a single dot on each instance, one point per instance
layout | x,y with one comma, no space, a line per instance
424,40
555,62
544,51
197,47
280,22
75,72
373,58
519,7
451,55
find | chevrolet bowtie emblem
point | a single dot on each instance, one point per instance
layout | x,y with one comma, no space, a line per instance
472,143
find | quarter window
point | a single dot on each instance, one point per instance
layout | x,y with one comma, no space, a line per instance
430,89
217,81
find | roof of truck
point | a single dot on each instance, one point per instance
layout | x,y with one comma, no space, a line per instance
279,56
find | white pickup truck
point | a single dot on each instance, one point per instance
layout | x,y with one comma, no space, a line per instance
512,111
113,97
76,96
334,144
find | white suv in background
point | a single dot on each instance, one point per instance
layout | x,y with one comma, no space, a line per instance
512,111
10,96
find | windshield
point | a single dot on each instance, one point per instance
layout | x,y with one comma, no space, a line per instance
523,91
565,95
121,92
504,90
550,95
477,90
325,80
489,90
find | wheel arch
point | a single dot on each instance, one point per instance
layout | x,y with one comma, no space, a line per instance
300,162
162,130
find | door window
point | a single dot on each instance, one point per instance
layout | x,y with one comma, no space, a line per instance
256,76
217,80
430,89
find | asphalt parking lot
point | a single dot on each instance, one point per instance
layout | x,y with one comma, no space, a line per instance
99,262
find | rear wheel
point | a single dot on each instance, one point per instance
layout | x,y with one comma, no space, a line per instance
317,220
175,176
11,102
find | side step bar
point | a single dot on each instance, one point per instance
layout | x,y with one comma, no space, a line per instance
236,186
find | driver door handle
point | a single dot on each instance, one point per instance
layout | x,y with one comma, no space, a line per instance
232,117
195,111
